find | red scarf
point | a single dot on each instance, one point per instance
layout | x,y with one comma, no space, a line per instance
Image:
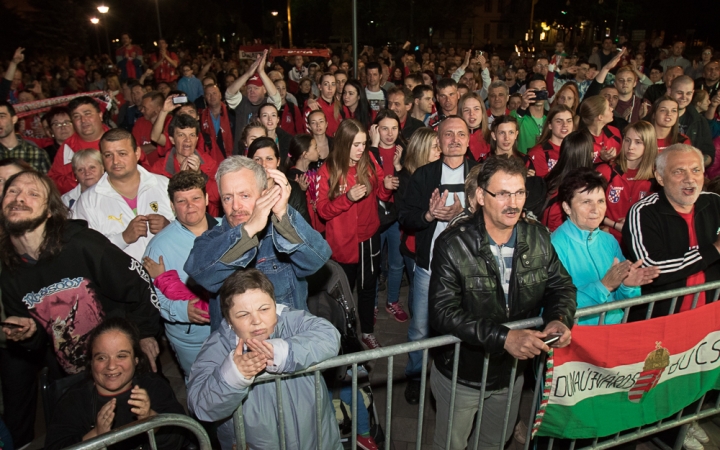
208,127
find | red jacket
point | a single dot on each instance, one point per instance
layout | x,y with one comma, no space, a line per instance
168,166
479,148
610,137
543,157
292,119
350,223
623,191
61,170
329,110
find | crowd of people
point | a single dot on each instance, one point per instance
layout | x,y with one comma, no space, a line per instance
195,196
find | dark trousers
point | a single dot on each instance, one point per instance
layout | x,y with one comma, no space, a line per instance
19,370
363,277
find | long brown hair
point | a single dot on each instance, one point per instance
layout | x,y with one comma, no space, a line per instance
54,225
647,163
335,102
568,87
590,109
674,135
339,160
554,111
484,124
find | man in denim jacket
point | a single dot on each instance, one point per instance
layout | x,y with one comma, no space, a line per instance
259,230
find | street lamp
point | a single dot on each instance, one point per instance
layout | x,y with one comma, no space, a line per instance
274,13
95,21
157,10
102,9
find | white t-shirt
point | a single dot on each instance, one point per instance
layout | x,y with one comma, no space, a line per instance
449,176
376,99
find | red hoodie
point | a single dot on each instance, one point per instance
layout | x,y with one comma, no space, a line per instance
542,158
479,148
623,191
610,137
350,223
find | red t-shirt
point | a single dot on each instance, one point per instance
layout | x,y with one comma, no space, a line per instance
543,158
698,277
386,159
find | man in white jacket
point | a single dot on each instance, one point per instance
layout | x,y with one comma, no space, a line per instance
129,205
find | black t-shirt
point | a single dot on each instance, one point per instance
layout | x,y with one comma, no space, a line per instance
76,414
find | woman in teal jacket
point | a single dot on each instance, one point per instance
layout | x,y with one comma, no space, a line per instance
592,257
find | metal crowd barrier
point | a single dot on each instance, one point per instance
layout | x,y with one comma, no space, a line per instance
146,426
701,410
353,359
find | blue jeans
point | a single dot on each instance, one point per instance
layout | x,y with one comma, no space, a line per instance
363,417
410,271
391,236
419,326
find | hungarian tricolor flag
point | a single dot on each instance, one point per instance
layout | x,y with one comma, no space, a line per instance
618,377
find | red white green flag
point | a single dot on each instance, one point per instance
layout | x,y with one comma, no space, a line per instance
618,377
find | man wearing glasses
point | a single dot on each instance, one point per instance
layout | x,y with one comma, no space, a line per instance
490,269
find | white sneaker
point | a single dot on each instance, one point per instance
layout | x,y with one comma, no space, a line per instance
698,433
691,443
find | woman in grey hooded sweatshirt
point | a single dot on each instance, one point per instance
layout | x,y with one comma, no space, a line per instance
259,337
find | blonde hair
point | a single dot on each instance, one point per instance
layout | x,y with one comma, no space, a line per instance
418,151
484,124
647,163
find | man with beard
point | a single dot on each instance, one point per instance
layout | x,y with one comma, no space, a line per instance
89,128
59,280
259,90
710,81
14,146
259,230
129,205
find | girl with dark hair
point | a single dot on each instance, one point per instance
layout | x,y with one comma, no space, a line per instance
356,103
265,152
303,152
665,117
387,145
544,156
119,390
576,151
352,182
268,115
327,103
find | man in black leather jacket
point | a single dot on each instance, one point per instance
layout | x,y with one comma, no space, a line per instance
490,269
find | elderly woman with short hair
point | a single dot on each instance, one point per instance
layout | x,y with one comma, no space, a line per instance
593,257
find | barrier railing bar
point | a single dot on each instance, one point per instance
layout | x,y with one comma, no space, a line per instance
281,413
654,430
453,390
601,321
421,404
142,426
700,404
151,438
661,444
481,404
551,442
318,409
626,314
354,407
572,444
539,385
511,387
695,300
388,401
716,295
648,315
673,304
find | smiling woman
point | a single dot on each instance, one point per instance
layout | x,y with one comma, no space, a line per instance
119,392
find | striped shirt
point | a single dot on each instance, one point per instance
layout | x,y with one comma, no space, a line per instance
504,258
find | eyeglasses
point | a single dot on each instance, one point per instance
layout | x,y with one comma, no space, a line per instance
67,123
504,196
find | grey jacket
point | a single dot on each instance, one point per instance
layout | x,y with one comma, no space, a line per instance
216,388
